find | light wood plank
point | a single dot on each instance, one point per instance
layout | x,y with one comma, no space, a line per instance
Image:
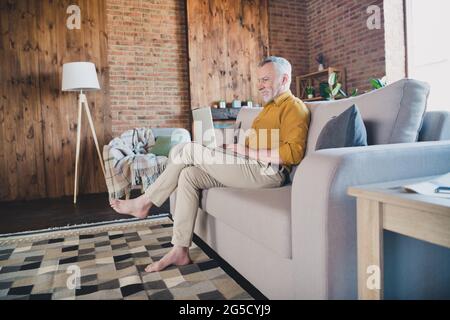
35,134
387,206
38,123
10,15
393,193
49,103
370,248
3,103
423,225
96,101
227,39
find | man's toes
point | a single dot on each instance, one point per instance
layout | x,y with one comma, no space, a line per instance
150,268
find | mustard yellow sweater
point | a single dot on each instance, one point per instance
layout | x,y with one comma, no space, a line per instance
282,124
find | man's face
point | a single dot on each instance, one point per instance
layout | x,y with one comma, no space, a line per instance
269,82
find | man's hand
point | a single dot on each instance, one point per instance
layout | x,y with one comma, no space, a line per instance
268,156
237,148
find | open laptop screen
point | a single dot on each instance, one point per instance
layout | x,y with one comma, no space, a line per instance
204,132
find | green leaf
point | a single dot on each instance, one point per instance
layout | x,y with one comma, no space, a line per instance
380,83
376,84
336,89
342,93
354,93
332,79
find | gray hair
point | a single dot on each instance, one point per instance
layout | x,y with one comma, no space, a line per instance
282,66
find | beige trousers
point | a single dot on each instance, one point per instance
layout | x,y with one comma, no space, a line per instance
192,168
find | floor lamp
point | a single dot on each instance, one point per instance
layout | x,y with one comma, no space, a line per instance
81,77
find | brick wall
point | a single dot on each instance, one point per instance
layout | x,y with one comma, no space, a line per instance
288,33
148,59
339,30
147,55
299,30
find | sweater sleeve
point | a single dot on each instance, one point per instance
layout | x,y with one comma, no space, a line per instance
293,133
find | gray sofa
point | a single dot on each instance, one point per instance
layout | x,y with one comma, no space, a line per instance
299,241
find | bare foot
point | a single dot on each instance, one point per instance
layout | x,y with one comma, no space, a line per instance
138,207
178,256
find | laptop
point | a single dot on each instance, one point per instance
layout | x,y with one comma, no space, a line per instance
204,131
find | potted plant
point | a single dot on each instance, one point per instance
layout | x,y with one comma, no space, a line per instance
310,92
378,83
334,87
355,92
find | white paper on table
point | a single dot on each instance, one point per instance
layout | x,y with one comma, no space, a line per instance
428,188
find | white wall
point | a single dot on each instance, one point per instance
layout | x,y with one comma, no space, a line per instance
429,48
394,29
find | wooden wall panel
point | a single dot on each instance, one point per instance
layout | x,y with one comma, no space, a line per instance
38,122
227,39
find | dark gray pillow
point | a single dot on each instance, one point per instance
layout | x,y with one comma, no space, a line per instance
345,130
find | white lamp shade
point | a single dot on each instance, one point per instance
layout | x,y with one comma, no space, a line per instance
79,76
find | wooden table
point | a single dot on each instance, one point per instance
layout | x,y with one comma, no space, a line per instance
387,207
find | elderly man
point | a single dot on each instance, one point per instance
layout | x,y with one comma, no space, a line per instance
192,167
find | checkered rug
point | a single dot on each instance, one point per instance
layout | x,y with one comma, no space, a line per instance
107,261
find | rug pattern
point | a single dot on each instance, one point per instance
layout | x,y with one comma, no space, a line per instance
111,260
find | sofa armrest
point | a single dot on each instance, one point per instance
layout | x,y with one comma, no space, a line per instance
324,216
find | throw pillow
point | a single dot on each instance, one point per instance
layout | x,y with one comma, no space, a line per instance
345,130
162,146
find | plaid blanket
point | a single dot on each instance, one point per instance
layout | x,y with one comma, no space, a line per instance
129,163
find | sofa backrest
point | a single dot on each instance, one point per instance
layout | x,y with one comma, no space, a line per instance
245,119
393,114
435,126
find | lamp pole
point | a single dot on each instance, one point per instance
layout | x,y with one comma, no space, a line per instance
82,100
77,157
80,77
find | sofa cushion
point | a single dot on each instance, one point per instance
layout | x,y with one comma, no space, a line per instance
264,215
345,130
245,120
391,115
436,126
162,146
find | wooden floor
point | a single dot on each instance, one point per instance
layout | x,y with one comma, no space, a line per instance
48,213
